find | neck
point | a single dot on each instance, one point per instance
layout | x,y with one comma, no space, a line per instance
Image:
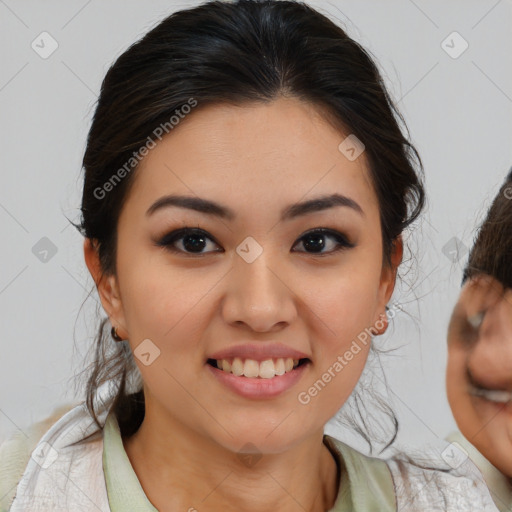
180,469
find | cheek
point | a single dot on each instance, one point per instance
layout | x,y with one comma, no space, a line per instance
158,297
344,320
456,386
346,304
341,342
455,365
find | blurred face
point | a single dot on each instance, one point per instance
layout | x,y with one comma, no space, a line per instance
249,259
479,373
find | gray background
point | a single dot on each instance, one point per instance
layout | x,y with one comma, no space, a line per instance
458,110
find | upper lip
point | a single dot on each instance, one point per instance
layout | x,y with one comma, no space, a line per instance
259,352
477,383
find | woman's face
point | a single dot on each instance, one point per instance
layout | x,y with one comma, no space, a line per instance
250,280
479,372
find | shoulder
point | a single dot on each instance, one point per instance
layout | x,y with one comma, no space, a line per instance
369,478
37,460
15,452
431,483
498,484
415,484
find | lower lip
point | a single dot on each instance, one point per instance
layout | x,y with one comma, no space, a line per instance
258,387
494,406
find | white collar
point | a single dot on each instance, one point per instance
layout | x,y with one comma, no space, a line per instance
60,477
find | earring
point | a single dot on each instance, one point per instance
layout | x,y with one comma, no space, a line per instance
113,333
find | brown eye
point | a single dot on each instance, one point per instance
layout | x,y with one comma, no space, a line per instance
314,242
192,241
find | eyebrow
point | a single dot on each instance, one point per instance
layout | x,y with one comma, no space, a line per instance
290,212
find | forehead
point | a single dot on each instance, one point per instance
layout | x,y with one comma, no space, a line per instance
483,293
255,154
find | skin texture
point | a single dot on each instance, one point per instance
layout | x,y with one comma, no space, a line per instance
487,352
255,159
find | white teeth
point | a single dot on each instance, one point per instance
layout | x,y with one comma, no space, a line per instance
279,367
252,369
494,395
237,368
267,369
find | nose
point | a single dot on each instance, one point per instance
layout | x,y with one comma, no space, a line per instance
490,361
259,296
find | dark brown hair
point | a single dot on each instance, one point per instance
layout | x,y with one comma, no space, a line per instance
237,52
491,253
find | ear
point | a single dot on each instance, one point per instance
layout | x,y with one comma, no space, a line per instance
387,283
108,288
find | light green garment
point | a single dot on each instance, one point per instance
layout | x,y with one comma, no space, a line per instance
366,484
108,479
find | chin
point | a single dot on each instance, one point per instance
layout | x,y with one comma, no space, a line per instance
490,431
498,456
259,440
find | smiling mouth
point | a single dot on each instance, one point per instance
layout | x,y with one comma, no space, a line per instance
498,396
253,369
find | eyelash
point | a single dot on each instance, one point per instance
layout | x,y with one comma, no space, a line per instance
169,239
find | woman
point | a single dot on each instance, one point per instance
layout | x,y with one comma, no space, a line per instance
479,370
246,190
